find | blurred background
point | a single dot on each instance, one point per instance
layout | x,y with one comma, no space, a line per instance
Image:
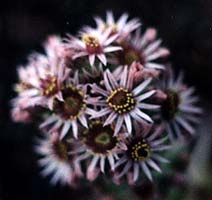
186,29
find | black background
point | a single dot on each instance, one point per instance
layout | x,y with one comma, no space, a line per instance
184,25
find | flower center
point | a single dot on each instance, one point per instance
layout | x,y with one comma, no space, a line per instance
169,107
49,85
98,138
61,150
129,54
121,101
73,105
138,150
92,44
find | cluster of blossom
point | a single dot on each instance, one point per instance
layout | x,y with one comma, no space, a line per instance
109,103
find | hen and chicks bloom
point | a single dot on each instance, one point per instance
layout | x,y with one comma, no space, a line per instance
143,152
100,144
41,80
93,44
55,159
143,48
179,110
123,102
99,118
69,112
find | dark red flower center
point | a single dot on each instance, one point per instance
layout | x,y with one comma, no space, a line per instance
121,101
98,138
169,107
73,105
92,44
129,54
61,150
49,85
138,149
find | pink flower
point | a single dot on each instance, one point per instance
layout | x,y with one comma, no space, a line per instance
122,101
92,44
141,48
56,159
42,79
69,112
142,153
100,144
178,110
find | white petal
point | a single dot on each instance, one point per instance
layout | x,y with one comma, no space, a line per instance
99,90
160,159
91,59
112,49
126,169
102,58
102,164
74,128
190,109
152,65
146,171
83,121
135,172
152,47
110,19
152,164
185,125
93,164
148,106
145,95
123,80
128,123
110,119
112,80
111,161
142,86
49,120
118,124
101,113
143,115
65,129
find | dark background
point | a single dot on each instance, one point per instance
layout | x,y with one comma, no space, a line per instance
184,25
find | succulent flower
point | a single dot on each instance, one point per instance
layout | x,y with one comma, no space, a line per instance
143,151
112,114
56,160
92,43
99,144
179,110
142,48
123,102
41,80
68,112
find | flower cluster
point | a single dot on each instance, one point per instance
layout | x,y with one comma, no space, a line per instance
105,101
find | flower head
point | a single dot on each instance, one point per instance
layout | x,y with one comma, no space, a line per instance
56,160
99,144
142,152
178,110
68,112
141,48
92,44
42,79
123,102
